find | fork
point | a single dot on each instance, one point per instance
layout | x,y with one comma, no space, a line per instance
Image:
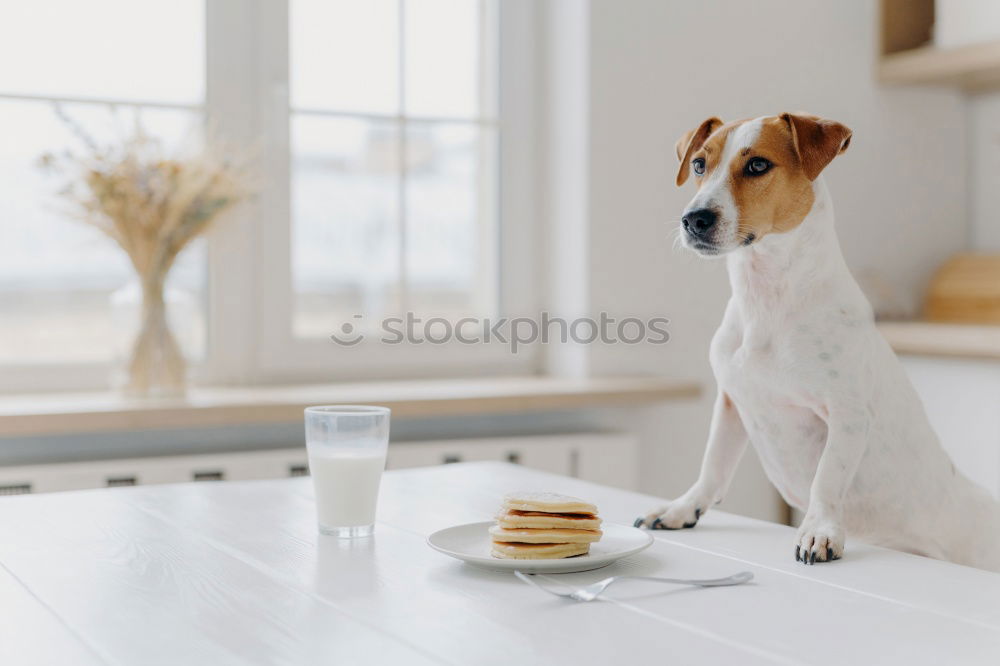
594,590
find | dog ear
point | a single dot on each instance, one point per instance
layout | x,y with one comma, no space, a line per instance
690,142
816,141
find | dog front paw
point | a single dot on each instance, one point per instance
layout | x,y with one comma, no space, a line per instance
819,540
682,512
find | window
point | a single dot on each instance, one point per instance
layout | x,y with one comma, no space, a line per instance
393,163
388,182
57,275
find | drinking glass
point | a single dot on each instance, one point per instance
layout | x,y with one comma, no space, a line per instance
347,446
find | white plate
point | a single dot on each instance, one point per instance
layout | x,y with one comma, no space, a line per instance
471,543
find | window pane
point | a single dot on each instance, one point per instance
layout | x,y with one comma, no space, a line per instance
119,49
57,274
450,220
349,245
447,47
345,55
345,241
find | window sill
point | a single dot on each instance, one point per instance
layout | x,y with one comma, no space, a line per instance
60,414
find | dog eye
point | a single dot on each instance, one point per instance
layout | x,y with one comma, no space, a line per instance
757,165
698,164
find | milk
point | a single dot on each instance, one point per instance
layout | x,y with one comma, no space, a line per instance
346,485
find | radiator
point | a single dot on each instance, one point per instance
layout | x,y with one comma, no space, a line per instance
608,458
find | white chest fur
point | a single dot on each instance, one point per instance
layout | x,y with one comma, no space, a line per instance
800,360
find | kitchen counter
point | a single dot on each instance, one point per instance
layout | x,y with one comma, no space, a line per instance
923,338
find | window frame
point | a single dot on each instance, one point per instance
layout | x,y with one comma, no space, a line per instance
248,292
267,350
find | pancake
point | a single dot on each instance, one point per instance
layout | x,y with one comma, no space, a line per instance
538,551
499,534
537,520
547,503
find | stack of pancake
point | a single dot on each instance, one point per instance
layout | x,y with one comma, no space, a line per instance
544,526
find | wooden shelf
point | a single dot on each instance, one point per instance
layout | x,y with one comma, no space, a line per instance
921,338
909,57
972,68
60,414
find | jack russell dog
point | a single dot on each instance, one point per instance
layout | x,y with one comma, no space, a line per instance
802,371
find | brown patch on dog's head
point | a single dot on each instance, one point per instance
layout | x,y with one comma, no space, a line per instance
691,142
756,176
817,141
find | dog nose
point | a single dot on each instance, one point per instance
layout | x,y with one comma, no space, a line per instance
698,222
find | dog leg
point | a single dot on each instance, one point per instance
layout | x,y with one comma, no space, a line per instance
821,536
727,440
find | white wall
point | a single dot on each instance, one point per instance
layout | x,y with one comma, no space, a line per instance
961,397
656,69
984,176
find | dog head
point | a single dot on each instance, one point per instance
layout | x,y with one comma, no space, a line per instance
754,177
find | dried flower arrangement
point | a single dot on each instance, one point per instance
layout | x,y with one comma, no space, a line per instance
152,205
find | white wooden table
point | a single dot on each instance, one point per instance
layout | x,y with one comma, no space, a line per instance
235,573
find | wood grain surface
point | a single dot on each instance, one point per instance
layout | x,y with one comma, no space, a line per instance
236,573
55,414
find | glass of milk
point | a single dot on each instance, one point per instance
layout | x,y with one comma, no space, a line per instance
346,446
